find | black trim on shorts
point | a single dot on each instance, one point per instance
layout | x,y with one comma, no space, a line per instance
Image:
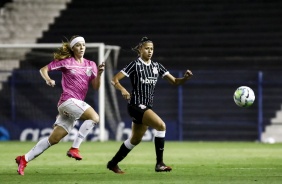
136,112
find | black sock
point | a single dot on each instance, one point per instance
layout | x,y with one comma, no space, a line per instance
120,155
159,147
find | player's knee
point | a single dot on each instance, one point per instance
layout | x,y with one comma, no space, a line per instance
135,141
54,140
95,119
161,127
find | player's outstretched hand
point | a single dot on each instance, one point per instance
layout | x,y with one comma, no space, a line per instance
101,68
188,74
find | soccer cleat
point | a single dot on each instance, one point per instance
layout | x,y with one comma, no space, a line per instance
20,160
74,153
161,167
114,168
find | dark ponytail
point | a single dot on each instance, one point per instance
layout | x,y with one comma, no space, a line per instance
143,40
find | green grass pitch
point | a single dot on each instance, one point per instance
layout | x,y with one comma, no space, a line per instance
192,162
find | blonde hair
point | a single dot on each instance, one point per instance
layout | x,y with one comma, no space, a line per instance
64,51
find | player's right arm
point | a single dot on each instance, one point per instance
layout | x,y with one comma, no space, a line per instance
117,85
44,74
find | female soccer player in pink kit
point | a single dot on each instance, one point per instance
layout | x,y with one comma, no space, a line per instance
77,74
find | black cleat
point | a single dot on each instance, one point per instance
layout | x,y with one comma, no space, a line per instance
114,168
161,167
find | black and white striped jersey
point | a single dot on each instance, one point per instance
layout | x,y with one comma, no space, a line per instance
143,79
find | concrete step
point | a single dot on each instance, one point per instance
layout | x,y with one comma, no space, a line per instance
44,2
4,76
13,54
278,117
26,33
6,68
272,134
9,64
23,20
23,6
22,16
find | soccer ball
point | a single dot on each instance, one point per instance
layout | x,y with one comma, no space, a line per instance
244,96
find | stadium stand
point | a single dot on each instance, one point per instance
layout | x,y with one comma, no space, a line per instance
202,35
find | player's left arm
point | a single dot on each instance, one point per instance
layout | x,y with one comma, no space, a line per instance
97,80
178,81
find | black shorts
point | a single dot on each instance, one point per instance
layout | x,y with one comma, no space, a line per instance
136,112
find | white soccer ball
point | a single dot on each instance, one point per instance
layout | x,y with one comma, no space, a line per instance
244,96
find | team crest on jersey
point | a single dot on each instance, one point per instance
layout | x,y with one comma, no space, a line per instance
155,70
88,72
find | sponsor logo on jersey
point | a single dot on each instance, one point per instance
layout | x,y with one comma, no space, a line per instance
148,81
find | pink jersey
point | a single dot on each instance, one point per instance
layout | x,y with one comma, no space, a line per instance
75,77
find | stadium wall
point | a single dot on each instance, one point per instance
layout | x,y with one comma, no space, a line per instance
201,110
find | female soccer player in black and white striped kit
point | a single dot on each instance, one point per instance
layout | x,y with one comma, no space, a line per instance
143,73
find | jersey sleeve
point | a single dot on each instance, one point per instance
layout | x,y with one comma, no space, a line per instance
94,70
128,69
162,70
56,65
